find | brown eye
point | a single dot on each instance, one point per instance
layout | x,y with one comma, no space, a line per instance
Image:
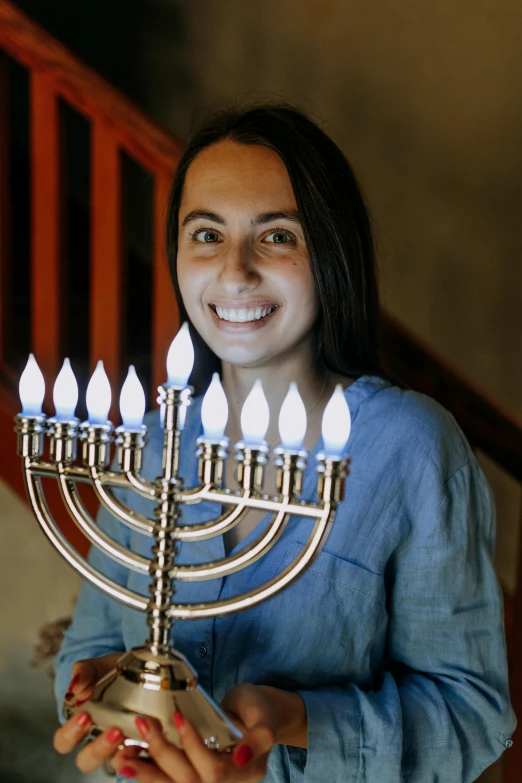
206,235
280,237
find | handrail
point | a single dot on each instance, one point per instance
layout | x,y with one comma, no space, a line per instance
409,361
29,44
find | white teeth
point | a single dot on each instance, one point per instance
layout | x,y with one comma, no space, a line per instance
243,315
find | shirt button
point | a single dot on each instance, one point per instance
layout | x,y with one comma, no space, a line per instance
203,652
508,743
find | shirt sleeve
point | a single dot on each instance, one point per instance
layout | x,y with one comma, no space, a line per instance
441,711
96,624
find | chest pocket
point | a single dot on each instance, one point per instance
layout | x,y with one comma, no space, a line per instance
328,626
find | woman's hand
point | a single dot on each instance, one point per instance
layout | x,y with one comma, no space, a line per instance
249,707
85,675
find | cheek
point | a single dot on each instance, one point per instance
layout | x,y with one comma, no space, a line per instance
191,283
299,292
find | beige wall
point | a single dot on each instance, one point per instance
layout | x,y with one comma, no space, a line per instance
36,587
425,98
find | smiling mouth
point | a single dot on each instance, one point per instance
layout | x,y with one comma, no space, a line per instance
243,315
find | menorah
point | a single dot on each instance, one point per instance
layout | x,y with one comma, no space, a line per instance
155,679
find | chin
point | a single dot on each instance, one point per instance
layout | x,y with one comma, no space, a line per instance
241,357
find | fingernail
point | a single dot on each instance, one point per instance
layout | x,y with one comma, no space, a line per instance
242,755
73,682
127,772
114,736
83,719
143,727
179,720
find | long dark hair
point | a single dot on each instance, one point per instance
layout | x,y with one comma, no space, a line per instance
336,228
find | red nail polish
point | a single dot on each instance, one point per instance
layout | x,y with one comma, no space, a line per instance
83,719
242,755
179,720
73,682
114,735
127,772
143,727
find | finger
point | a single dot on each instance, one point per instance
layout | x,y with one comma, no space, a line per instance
261,739
84,676
208,764
142,771
170,759
99,750
71,733
251,754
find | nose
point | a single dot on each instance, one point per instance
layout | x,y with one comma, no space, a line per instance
239,271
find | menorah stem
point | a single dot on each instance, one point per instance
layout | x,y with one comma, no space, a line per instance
166,512
164,552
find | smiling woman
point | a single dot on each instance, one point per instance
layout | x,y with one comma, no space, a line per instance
247,259
386,660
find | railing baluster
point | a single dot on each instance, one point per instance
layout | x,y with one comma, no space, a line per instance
107,285
165,312
5,218
46,223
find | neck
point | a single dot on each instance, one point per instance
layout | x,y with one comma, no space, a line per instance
238,382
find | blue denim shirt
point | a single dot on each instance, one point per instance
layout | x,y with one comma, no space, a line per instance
394,637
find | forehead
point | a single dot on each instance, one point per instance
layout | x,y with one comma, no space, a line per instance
237,175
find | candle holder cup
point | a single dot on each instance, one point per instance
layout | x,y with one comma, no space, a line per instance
155,679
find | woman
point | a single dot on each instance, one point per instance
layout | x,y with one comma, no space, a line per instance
386,661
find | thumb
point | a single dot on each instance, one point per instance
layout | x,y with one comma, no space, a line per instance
84,677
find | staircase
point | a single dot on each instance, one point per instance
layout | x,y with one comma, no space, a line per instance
61,234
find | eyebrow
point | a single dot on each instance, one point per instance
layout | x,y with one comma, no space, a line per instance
259,220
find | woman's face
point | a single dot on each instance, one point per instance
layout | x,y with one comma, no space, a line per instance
243,266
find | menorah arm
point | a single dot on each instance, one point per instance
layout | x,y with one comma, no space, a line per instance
251,598
84,521
141,485
260,502
58,540
118,509
222,524
229,565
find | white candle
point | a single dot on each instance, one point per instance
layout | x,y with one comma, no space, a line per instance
292,420
336,424
180,359
214,411
132,401
32,388
255,416
98,396
65,393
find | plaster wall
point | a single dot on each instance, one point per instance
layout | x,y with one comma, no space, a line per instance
36,587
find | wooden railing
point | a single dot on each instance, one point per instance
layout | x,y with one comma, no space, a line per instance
118,127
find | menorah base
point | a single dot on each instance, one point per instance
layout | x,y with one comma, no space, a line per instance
155,686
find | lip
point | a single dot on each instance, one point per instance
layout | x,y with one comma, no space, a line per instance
238,304
244,326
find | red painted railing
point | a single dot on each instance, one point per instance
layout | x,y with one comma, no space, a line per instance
118,127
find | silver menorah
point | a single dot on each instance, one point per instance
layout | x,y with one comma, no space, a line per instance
155,679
